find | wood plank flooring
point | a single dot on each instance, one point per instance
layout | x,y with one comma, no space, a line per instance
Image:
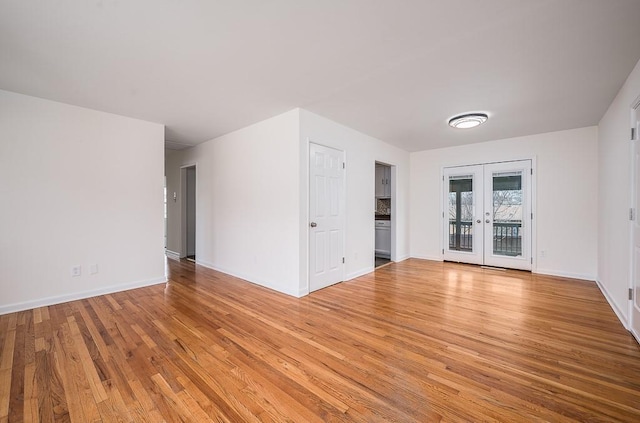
415,341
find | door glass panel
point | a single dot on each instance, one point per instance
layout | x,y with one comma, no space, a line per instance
461,213
507,214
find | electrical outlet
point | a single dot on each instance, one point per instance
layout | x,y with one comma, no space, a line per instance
543,253
76,271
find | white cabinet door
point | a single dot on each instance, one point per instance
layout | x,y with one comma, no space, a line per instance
387,181
383,181
380,178
383,238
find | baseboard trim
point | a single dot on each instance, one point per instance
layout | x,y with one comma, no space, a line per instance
428,257
59,299
614,307
358,273
246,278
172,255
565,274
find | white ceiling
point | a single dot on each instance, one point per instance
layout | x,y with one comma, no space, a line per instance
394,69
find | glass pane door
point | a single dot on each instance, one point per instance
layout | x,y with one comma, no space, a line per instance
463,200
507,213
487,214
461,213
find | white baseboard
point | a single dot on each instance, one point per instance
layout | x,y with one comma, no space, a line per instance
172,255
402,258
59,299
428,257
359,273
621,316
248,278
561,274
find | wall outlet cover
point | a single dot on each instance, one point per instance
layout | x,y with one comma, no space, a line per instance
76,271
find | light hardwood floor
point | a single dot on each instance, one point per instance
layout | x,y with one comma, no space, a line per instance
415,341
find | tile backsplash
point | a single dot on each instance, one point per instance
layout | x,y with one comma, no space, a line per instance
383,206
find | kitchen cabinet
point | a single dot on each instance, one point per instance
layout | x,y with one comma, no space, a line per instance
383,238
383,181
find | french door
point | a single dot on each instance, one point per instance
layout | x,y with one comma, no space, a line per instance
487,214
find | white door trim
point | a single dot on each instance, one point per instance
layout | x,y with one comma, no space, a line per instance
634,313
183,208
393,171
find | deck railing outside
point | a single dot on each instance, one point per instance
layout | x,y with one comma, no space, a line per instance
507,237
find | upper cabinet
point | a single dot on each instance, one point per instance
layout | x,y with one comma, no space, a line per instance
383,181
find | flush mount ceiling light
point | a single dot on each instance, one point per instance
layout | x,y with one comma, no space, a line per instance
468,120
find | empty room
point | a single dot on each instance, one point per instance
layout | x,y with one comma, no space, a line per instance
312,211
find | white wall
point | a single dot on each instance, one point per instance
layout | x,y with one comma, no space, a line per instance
252,199
565,212
614,257
247,202
361,153
173,161
78,187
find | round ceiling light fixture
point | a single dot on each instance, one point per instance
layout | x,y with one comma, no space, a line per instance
468,120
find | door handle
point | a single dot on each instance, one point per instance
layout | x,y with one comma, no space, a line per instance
313,224
488,221
478,221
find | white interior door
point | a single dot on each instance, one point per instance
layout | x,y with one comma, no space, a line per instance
326,216
635,256
487,214
463,229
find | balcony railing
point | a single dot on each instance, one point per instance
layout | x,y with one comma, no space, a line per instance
507,237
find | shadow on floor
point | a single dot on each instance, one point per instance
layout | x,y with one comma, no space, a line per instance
381,261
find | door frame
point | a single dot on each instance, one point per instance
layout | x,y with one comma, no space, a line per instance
394,208
183,209
344,200
635,202
534,177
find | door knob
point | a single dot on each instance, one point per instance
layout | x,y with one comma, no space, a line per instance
488,221
313,224
478,221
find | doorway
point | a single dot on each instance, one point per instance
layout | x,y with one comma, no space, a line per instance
383,226
326,216
189,180
487,214
634,294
